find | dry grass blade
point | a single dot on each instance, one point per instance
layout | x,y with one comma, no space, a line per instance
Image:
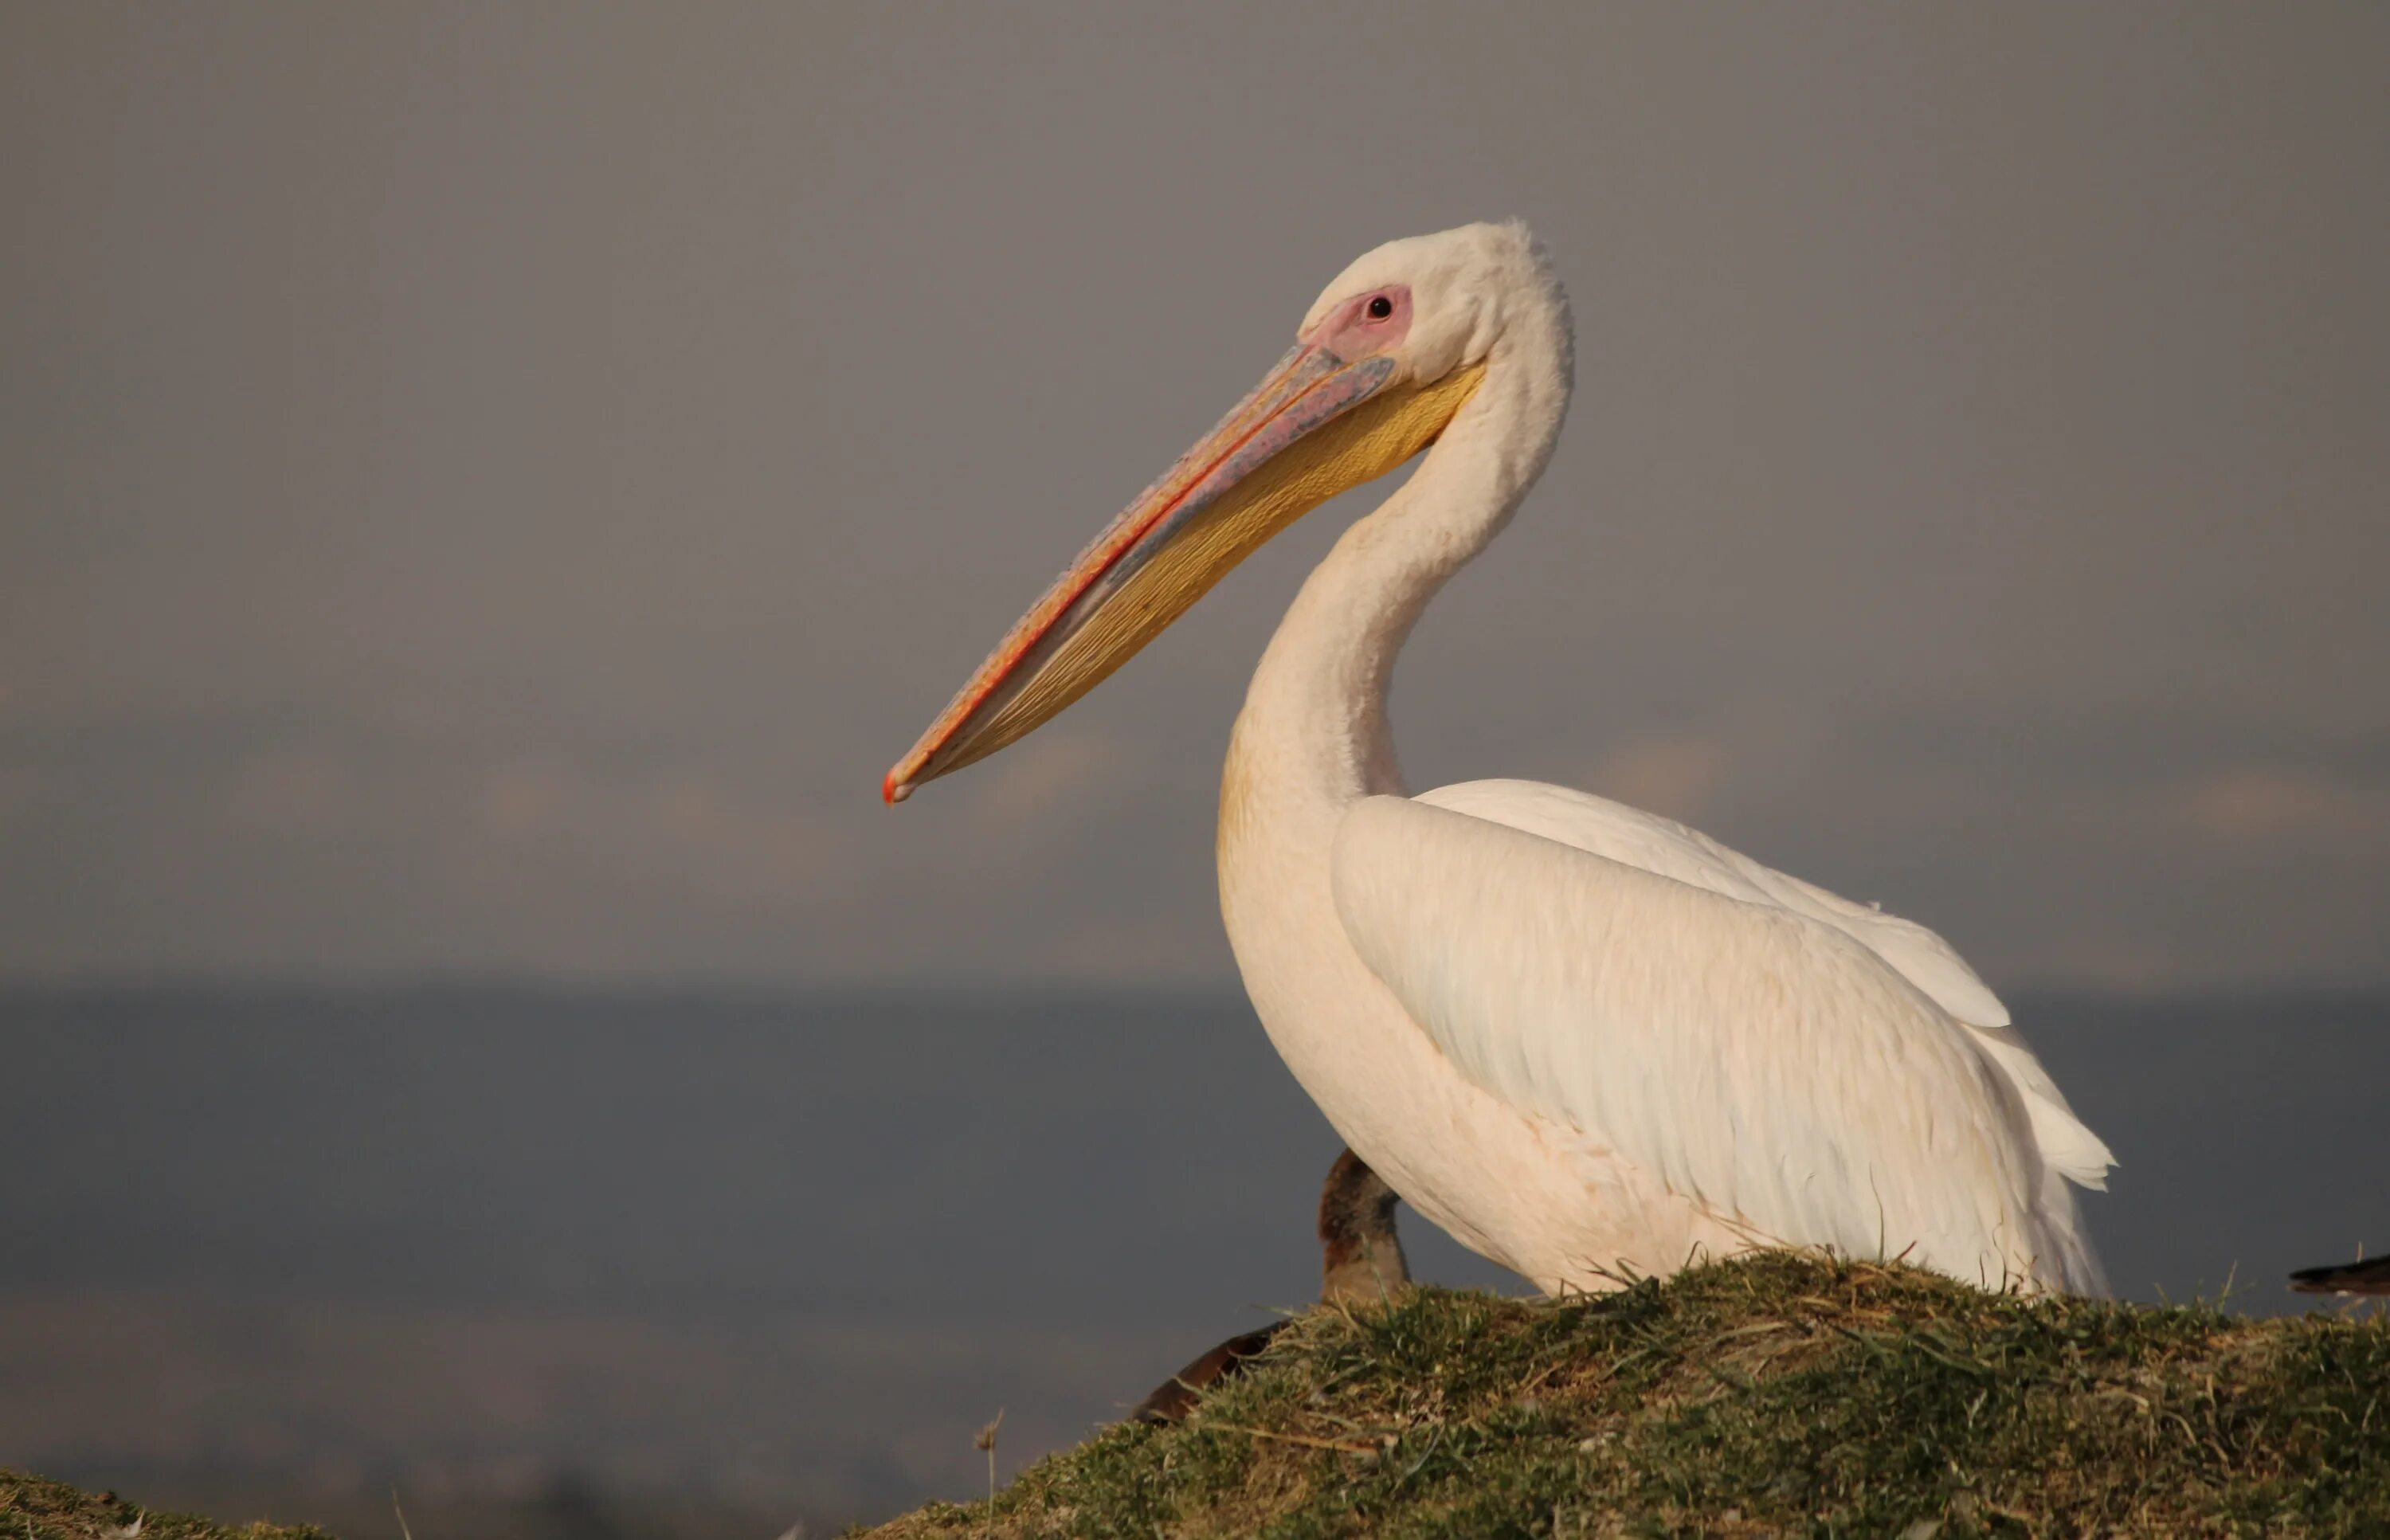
1308,1442
985,1440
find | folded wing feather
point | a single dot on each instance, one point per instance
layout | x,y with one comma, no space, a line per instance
1807,1067
1669,849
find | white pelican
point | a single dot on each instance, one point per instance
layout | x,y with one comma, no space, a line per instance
1361,1261
1584,1040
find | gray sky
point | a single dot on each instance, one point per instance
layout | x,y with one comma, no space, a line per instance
491,487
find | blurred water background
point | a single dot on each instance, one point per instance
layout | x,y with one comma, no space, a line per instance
707,1263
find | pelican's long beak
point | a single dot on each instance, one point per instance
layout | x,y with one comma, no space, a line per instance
1316,427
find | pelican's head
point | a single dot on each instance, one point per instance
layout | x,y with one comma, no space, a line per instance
1391,351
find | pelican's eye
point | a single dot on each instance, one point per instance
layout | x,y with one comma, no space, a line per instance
1381,307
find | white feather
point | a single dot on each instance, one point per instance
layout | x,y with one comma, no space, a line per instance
1737,1034
1668,848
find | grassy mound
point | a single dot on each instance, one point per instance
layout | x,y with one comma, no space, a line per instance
1770,1395
53,1510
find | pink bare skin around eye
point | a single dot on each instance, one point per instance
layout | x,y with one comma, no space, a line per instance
1350,332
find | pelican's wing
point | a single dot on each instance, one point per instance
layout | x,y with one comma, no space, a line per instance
1668,848
1620,975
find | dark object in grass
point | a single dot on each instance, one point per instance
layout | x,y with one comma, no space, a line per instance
1360,1262
1175,1396
2370,1276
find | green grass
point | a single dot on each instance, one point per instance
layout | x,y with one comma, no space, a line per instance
53,1510
1777,1394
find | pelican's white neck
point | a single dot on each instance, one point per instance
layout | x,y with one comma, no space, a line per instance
1314,727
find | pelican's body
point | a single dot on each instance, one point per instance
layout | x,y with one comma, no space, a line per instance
1585,1041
